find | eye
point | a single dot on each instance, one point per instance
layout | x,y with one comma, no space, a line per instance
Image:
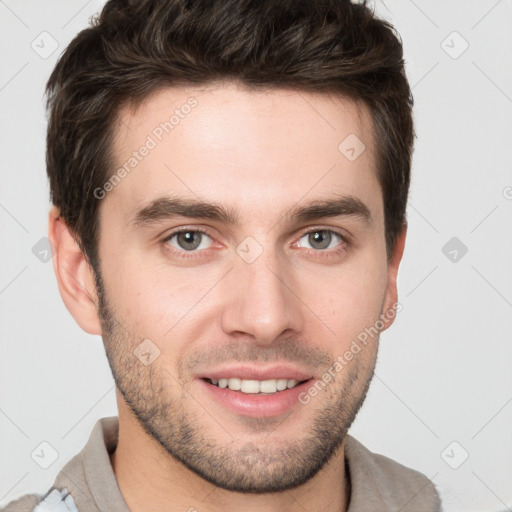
194,241
188,240
321,239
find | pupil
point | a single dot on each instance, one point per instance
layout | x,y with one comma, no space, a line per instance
323,237
188,240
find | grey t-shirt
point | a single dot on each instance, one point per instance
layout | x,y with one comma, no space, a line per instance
87,482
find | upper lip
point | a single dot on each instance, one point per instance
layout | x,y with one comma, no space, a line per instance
253,372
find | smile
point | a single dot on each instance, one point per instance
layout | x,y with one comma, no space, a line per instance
255,386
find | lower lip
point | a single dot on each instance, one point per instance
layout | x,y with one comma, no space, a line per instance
256,405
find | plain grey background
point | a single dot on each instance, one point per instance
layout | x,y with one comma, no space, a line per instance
441,400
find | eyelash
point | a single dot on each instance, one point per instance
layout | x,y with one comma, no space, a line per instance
344,245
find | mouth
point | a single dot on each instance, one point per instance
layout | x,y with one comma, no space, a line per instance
255,387
262,397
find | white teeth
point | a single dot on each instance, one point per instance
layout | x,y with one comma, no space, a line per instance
234,383
255,386
268,386
281,384
250,386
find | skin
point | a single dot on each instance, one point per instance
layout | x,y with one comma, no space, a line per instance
263,152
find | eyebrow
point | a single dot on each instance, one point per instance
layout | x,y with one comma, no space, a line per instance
165,208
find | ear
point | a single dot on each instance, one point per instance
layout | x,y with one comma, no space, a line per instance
391,305
75,276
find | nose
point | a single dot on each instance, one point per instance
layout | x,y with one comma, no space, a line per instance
261,300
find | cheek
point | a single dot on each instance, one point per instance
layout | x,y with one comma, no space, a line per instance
157,301
350,301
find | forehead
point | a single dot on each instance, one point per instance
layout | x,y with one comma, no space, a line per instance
256,148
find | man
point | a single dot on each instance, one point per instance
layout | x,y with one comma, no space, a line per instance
229,181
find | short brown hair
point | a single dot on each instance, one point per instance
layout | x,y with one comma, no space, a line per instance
135,47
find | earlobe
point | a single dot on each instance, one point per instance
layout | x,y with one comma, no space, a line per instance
391,301
75,276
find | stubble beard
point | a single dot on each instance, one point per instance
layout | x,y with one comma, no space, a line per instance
239,465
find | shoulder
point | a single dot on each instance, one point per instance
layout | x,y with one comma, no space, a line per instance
71,488
390,483
26,503
53,501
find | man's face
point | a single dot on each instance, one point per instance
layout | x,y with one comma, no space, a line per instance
273,297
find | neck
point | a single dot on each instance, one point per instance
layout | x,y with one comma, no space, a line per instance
151,479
